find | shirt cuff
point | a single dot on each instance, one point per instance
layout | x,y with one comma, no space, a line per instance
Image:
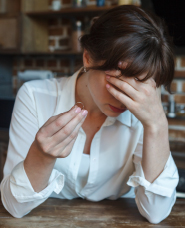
164,185
22,189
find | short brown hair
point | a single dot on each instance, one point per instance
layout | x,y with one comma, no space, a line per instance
129,33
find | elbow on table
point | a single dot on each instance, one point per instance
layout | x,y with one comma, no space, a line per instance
16,215
11,208
13,212
154,208
154,219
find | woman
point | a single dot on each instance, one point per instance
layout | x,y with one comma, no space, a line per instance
117,146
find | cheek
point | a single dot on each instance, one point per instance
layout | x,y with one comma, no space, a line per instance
97,87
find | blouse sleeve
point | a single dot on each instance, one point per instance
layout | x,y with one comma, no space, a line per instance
17,194
154,200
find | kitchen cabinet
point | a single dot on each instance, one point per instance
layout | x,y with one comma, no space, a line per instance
10,34
27,31
10,25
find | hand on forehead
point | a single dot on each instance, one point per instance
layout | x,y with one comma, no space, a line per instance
123,65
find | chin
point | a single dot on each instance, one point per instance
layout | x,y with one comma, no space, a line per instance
111,114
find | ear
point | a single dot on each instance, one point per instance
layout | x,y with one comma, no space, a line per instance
93,20
86,58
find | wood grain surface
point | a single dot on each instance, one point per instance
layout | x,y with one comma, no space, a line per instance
79,213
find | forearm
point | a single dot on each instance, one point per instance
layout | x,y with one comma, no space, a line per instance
15,208
156,149
38,168
19,188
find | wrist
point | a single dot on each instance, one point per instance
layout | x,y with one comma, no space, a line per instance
156,126
38,167
37,154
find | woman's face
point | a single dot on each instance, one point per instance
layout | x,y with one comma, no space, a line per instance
107,104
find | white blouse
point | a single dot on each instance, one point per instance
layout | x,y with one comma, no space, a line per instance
112,170
83,172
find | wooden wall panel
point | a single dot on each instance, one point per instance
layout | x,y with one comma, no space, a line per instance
34,35
8,33
10,6
13,6
34,5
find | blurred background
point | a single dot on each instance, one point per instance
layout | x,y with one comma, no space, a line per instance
39,39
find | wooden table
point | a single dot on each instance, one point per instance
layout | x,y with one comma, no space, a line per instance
79,213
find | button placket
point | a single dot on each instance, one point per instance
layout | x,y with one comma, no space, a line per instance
94,163
75,159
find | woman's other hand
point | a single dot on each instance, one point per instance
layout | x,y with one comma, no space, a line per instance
57,136
141,98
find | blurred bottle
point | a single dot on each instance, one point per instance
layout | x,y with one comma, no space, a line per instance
79,3
100,2
56,5
136,2
124,2
3,7
78,31
171,106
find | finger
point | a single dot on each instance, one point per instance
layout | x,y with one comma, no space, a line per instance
113,73
134,82
124,99
125,87
62,145
59,122
71,125
53,118
67,150
122,64
116,73
61,142
67,130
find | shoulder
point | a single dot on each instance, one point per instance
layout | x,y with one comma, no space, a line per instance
39,94
51,87
46,84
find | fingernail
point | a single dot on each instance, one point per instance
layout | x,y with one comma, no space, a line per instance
75,107
120,63
84,112
78,110
107,71
107,76
108,86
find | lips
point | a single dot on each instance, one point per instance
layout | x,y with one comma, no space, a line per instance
117,109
